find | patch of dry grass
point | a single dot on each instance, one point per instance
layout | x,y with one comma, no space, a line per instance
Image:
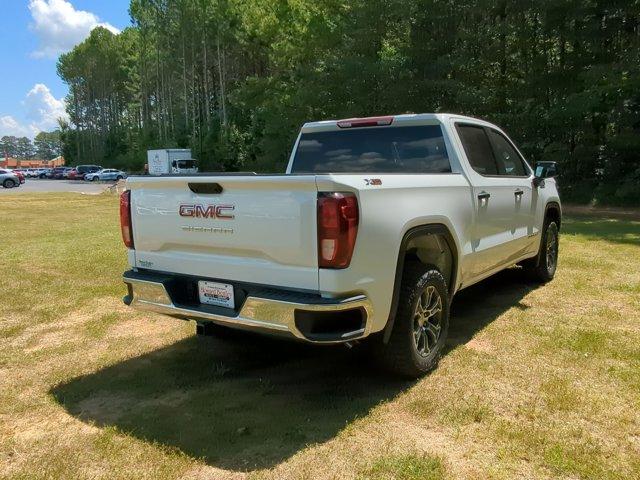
537,382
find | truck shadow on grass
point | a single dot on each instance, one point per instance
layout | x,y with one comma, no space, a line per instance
252,403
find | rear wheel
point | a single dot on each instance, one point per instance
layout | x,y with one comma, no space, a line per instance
421,323
543,267
8,183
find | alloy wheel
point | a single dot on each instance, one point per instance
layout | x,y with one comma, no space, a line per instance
427,321
552,249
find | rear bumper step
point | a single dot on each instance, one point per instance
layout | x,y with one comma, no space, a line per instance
308,317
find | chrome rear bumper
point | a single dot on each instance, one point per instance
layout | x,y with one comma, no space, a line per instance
275,314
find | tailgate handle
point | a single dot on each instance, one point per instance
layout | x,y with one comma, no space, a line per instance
206,188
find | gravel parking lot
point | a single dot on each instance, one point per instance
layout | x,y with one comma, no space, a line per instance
46,186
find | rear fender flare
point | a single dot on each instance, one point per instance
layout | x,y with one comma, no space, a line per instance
415,232
553,206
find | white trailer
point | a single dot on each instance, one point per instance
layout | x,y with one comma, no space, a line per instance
173,160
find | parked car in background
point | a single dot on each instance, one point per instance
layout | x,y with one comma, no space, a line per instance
8,179
58,173
74,175
31,172
80,171
20,176
18,173
105,174
44,172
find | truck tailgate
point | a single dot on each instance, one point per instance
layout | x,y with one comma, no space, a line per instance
258,229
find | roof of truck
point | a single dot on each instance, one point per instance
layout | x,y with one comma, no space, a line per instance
170,150
408,118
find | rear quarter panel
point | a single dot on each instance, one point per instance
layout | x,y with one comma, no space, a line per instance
387,212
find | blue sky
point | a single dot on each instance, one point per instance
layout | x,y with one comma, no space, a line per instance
33,34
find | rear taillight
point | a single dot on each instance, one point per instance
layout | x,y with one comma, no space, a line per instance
337,229
125,218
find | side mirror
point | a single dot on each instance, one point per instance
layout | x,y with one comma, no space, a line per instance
546,169
538,181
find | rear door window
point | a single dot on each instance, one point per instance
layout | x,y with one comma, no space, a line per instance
410,149
478,149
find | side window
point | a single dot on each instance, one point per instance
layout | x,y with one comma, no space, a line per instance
478,149
509,162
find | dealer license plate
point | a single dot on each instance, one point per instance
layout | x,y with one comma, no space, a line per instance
214,293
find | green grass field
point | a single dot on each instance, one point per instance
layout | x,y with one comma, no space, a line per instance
538,382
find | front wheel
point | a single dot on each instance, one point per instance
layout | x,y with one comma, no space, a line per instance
421,324
8,183
95,179
543,267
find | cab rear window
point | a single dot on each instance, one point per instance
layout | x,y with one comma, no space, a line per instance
410,149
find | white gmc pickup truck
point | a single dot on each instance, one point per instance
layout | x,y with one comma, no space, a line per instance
375,226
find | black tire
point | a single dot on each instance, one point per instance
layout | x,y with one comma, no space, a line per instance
118,178
542,268
94,179
8,183
402,354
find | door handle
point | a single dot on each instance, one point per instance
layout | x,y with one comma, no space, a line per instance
518,193
483,195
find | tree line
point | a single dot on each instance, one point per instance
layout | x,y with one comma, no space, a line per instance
45,146
235,79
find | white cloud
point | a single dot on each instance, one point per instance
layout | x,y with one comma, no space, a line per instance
42,111
59,26
11,127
